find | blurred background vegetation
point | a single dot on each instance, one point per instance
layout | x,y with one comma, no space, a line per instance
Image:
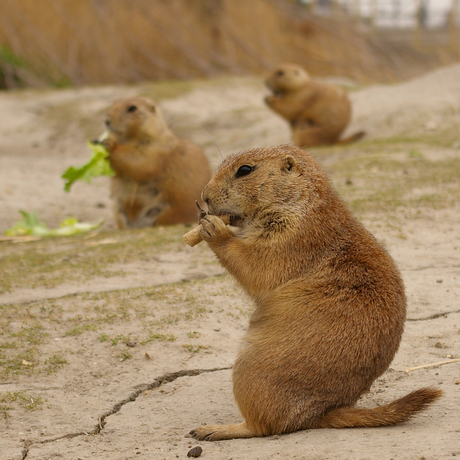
87,42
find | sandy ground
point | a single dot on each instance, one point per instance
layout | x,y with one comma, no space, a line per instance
116,344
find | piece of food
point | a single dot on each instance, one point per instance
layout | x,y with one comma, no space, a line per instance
30,225
193,237
98,165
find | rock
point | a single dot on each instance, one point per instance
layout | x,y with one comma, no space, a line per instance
195,452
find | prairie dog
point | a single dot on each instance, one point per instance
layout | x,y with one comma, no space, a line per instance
318,113
329,300
158,176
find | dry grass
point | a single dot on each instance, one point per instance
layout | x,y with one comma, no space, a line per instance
110,41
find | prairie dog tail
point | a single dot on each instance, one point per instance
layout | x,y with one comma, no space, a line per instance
390,414
353,138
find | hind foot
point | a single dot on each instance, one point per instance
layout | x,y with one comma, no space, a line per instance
220,432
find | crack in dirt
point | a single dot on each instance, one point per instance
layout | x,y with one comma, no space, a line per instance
167,378
436,315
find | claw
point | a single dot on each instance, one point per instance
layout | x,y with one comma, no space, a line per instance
202,212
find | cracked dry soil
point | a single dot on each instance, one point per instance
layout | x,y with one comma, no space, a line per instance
102,420
114,345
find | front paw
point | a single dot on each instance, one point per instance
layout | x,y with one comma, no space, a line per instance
214,230
109,143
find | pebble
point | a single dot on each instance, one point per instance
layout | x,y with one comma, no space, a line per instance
195,452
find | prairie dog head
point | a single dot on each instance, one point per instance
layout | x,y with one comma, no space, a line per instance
286,78
264,186
135,118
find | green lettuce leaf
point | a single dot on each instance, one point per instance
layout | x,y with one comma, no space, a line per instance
30,225
98,165
71,226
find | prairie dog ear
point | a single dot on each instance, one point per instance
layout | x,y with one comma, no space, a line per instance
289,164
151,106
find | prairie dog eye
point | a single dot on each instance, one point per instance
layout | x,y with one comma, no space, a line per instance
132,108
280,73
244,170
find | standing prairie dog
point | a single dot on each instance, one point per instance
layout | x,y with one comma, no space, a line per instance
158,176
318,113
329,301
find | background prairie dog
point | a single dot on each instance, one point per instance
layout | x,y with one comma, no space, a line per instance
330,302
158,176
317,113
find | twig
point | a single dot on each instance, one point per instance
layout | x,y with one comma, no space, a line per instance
410,369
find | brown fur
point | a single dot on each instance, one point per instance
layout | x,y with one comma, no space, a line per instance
330,302
317,113
158,176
